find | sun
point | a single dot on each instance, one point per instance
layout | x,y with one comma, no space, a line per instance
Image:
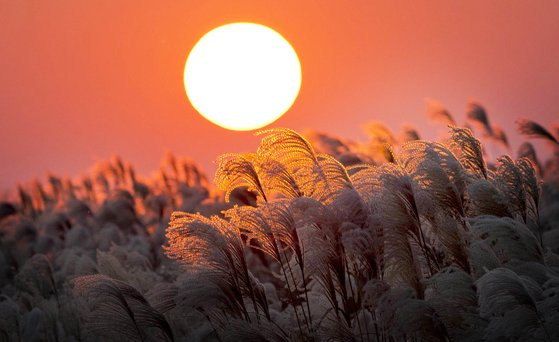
242,76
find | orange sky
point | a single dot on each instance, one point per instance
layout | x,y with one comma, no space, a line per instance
81,80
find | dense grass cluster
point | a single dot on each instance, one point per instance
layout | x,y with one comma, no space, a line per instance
313,238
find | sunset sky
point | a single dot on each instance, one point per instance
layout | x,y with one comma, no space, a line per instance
81,80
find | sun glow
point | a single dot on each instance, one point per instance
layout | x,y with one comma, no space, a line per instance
242,76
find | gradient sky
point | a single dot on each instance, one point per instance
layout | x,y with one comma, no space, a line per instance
83,80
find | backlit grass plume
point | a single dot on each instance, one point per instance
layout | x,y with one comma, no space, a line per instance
532,129
476,114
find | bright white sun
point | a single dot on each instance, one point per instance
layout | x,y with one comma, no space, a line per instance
242,76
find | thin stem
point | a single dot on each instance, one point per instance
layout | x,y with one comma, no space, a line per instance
291,295
295,285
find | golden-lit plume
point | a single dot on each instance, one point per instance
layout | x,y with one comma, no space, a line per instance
201,242
276,179
326,143
239,170
271,228
364,178
346,151
319,176
436,170
382,141
378,132
267,177
263,230
213,247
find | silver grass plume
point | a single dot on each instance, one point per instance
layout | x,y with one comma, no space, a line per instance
381,143
379,133
26,202
327,261
482,258
162,297
272,229
238,170
438,113
214,247
448,233
527,150
532,190
276,179
477,114
451,292
317,175
469,150
326,143
365,180
36,280
387,313
201,242
510,304
116,307
269,227
437,170
345,151
400,219
532,129
485,198
510,180
408,134
511,240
